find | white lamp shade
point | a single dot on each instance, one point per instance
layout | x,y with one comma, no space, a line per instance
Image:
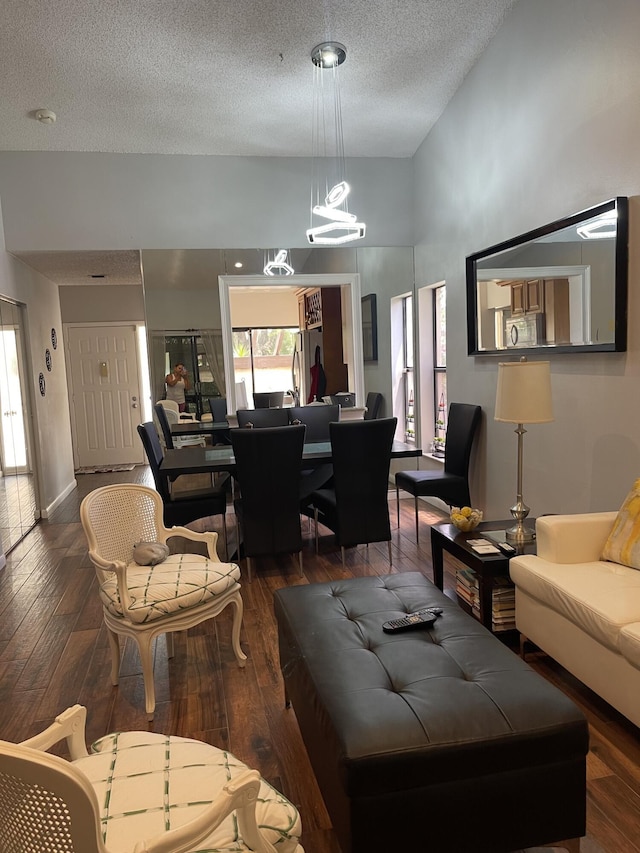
524,392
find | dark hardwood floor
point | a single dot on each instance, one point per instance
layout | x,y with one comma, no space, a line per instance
54,652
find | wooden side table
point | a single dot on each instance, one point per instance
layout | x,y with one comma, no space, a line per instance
447,537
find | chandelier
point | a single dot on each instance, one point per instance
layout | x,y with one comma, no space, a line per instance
331,223
279,264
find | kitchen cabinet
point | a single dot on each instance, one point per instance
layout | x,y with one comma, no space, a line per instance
320,310
527,297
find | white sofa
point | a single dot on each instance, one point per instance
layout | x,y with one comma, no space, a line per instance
582,611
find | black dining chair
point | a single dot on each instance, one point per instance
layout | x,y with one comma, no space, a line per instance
218,409
317,420
373,405
356,507
165,418
261,399
267,471
268,399
165,427
450,484
186,505
260,418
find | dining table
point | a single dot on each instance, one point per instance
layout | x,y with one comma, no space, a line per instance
203,460
206,428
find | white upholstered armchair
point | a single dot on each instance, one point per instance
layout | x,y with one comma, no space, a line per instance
136,792
144,601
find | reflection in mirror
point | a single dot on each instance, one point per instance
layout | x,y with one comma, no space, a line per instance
563,286
17,490
182,302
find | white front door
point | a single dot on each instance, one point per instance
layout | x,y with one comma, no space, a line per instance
105,395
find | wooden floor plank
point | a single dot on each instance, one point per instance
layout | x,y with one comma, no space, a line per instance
54,652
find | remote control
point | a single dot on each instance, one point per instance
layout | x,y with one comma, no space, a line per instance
506,548
419,619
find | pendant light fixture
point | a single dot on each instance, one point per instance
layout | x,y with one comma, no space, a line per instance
331,223
279,264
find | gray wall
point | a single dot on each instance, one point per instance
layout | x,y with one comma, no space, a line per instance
545,125
52,427
388,273
102,304
100,201
132,201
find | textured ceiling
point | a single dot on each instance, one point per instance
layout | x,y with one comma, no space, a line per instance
85,268
232,77
213,77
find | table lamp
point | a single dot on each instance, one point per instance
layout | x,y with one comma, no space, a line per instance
523,397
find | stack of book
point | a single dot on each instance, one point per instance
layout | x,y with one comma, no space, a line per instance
503,611
467,587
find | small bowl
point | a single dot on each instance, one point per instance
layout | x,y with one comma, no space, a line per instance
465,518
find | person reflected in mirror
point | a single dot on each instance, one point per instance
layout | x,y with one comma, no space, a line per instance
177,383
318,380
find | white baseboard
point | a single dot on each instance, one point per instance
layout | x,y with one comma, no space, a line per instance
46,511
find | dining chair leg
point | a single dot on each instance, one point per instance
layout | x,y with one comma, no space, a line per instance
342,551
238,606
169,639
224,538
415,501
315,516
389,546
300,562
144,641
398,506
114,645
237,526
249,578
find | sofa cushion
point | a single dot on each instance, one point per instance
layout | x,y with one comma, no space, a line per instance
600,597
623,543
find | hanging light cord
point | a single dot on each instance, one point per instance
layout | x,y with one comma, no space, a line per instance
328,165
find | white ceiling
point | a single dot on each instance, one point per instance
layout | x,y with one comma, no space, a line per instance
224,77
230,76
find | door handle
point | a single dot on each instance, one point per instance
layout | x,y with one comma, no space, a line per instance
134,405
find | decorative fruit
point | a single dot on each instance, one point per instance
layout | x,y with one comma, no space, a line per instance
465,518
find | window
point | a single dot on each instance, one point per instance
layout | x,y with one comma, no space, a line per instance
409,390
440,406
263,358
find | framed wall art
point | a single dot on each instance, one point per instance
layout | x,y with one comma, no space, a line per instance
369,328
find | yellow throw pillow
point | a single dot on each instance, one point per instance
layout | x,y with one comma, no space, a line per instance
623,544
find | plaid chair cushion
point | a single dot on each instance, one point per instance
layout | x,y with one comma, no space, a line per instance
137,802
180,582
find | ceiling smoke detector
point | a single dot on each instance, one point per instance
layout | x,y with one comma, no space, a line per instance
46,116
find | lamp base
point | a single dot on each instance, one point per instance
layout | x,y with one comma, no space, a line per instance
520,534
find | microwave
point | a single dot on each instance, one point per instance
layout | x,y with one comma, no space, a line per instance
524,331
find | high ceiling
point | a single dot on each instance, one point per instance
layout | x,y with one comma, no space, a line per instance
233,77
228,78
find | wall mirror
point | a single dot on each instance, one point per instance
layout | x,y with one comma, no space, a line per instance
560,287
182,303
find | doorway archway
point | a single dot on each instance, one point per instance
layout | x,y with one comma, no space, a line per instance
350,282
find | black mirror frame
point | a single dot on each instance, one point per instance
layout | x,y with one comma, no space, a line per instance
621,205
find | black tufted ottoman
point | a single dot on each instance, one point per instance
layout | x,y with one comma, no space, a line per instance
439,739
